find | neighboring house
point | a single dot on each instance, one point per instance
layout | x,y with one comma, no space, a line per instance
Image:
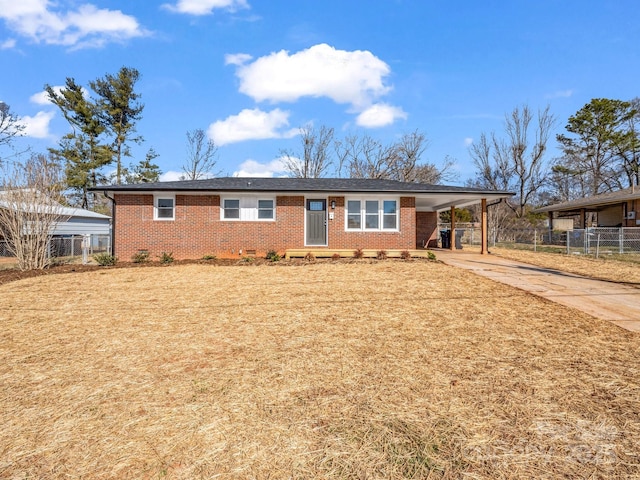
228,217
613,209
77,221
73,221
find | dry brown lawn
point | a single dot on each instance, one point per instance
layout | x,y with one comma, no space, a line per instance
333,370
625,269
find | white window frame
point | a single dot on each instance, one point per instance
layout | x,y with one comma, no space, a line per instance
156,208
223,209
249,208
272,209
363,214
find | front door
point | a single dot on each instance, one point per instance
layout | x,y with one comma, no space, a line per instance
316,222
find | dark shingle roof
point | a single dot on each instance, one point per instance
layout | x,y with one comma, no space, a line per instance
594,201
234,184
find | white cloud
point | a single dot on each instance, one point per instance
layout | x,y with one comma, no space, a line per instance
42,98
251,168
87,26
205,7
37,126
355,78
560,94
7,44
251,125
380,115
468,141
171,176
236,58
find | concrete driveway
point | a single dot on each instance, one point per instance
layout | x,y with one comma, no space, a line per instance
616,303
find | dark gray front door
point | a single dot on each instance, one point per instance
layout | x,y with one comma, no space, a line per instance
317,222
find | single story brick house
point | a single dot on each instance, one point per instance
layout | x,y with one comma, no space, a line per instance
230,217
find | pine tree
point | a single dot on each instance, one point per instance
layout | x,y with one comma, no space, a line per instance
119,111
145,171
83,148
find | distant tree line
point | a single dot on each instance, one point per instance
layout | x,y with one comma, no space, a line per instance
362,156
600,152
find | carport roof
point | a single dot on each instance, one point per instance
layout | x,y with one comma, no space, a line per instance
428,197
609,198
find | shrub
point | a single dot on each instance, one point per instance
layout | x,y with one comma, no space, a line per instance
381,255
405,255
310,257
247,259
273,256
166,258
141,256
105,259
358,253
209,257
336,256
431,255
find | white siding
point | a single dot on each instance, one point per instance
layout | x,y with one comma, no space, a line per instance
83,226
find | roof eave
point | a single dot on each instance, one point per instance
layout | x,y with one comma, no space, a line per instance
488,193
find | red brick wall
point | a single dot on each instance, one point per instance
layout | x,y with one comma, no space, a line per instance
426,229
198,231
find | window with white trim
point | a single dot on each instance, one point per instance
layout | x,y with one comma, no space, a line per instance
164,207
390,214
231,209
372,214
248,208
354,215
265,209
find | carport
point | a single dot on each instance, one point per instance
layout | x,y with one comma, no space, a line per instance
450,200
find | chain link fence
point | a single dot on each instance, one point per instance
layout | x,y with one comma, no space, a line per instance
71,248
594,241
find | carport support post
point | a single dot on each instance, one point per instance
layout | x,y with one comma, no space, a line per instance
483,227
452,234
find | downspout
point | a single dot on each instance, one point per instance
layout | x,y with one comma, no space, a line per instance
498,202
495,203
113,222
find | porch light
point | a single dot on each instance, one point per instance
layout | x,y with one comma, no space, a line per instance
333,204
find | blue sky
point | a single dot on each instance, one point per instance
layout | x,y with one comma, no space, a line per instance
251,73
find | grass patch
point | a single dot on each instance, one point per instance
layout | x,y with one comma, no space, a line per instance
614,268
322,370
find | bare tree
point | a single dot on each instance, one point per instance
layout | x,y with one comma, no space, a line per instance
10,126
202,155
29,209
405,155
515,161
314,160
366,157
405,163
433,174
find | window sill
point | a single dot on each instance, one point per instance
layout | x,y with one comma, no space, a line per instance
360,230
263,220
